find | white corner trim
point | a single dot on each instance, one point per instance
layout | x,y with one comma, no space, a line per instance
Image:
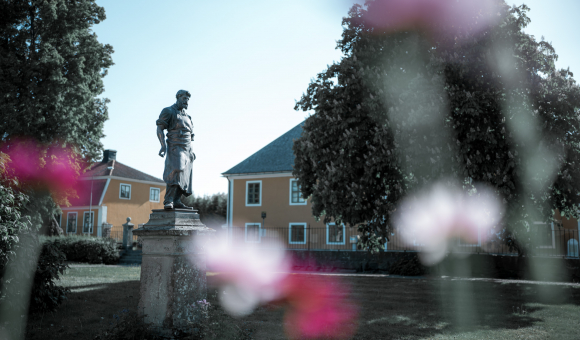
290,194
343,234
303,224
104,191
261,198
130,191
259,232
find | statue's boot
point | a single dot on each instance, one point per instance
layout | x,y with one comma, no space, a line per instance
168,206
179,205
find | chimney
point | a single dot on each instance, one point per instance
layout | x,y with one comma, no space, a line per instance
109,155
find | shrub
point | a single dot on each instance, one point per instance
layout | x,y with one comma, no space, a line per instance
46,294
408,266
86,249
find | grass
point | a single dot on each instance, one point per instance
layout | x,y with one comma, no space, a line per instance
390,308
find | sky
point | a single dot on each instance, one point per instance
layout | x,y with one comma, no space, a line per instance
245,64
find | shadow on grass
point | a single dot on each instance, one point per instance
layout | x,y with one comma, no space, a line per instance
88,310
414,309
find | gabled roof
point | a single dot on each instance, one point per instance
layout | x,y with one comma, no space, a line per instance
274,157
84,192
118,170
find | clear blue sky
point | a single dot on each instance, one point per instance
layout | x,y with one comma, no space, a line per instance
245,63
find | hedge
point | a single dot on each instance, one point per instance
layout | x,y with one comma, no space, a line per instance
86,249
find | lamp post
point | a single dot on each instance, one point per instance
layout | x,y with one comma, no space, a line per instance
263,218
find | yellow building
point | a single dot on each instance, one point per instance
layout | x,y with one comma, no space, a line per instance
263,183
109,193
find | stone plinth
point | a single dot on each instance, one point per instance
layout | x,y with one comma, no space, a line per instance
128,234
170,282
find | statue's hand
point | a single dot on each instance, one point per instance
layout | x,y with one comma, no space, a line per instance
163,151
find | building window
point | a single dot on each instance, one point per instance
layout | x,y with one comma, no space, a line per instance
71,223
88,219
254,193
335,233
154,194
125,191
253,232
297,233
295,194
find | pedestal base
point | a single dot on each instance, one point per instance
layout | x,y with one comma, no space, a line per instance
171,283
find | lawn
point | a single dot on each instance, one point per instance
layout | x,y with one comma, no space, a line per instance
391,308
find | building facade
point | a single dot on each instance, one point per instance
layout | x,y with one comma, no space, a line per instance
264,202
109,193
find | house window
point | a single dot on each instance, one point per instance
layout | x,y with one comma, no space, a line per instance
71,223
253,232
154,194
297,233
335,233
125,191
295,194
88,219
254,193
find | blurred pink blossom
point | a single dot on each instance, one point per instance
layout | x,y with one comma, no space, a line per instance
439,216
51,167
438,16
251,275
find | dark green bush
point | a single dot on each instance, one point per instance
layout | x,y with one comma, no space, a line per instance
86,249
46,294
408,266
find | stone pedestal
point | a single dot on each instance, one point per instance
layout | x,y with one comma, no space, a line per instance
107,230
170,281
128,234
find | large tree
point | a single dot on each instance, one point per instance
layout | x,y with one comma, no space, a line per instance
406,108
51,75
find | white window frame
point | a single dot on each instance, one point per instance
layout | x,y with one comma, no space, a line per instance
261,197
158,196
259,232
553,246
130,191
343,234
68,219
92,222
290,200
290,232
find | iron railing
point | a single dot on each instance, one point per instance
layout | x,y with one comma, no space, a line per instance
559,242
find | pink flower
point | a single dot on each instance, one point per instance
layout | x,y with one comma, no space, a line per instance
442,214
251,275
51,167
438,16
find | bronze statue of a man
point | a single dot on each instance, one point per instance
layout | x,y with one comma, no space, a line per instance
180,157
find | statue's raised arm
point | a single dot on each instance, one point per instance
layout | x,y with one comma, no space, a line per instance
177,150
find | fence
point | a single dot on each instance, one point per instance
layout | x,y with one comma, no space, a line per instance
559,242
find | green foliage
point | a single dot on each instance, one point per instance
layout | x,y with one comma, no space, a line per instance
407,266
85,249
12,223
52,70
212,209
401,110
46,294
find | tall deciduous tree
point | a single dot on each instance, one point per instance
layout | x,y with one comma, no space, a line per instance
407,108
51,75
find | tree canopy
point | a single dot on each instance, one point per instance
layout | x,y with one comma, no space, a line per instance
407,108
51,75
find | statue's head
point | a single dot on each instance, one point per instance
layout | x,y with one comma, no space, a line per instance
182,98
